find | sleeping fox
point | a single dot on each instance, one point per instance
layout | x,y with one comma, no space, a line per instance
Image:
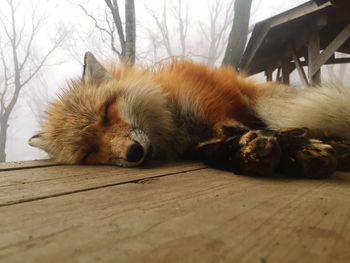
126,115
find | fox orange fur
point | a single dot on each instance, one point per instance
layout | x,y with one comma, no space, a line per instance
122,115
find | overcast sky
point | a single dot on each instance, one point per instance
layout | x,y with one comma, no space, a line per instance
66,62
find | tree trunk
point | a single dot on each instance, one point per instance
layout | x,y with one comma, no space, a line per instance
130,31
239,33
3,136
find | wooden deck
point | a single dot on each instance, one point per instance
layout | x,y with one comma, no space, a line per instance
181,212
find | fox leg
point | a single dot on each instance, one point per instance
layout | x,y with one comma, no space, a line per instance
262,152
305,156
244,151
342,148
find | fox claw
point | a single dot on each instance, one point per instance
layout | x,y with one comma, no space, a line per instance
259,153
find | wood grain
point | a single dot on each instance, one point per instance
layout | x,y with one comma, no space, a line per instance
26,164
26,185
197,216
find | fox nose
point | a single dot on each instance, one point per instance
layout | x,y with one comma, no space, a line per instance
135,152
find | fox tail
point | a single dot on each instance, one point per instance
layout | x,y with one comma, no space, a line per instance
325,110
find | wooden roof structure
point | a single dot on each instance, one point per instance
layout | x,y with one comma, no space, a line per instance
307,35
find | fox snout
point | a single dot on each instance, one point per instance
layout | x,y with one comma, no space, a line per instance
135,152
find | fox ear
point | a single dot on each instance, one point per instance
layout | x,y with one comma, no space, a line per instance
94,72
38,141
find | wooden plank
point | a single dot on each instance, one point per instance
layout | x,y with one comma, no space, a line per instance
26,164
336,43
251,50
313,53
40,183
202,216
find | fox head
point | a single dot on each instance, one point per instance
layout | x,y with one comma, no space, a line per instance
115,117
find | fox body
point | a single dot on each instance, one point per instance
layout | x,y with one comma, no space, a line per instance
124,115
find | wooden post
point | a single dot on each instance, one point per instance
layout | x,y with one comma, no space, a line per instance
331,49
285,71
268,74
313,53
278,74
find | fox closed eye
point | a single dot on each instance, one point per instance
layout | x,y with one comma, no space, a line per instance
108,111
105,117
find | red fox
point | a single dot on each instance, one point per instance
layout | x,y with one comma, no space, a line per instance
125,115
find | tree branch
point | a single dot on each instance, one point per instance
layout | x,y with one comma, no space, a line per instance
109,31
182,23
111,28
43,60
13,83
6,79
114,8
5,28
163,28
34,29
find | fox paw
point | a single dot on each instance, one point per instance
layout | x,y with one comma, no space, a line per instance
262,152
251,153
304,156
342,147
259,153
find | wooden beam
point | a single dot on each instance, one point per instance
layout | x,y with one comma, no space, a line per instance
302,10
338,61
300,69
313,53
330,49
251,53
320,2
331,61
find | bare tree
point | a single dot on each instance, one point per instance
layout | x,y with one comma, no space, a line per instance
180,14
111,25
220,19
20,64
239,33
213,32
153,53
182,20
